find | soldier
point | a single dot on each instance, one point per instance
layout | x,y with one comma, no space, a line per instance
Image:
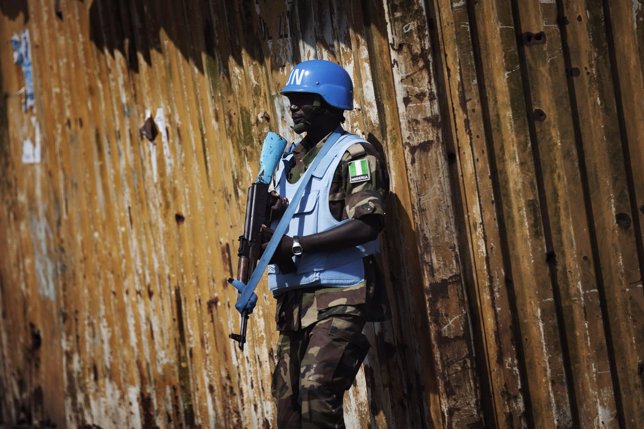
324,274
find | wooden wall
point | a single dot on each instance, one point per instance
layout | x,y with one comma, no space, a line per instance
548,142
513,254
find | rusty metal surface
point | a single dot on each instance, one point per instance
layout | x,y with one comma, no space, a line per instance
513,259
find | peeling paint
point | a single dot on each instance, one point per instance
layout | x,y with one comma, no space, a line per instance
21,45
30,152
638,8
159,119
31,149
45,267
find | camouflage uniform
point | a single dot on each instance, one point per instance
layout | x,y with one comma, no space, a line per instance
321,345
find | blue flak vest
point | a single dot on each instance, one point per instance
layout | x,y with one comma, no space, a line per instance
331,269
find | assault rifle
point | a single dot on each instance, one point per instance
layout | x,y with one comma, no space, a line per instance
257,212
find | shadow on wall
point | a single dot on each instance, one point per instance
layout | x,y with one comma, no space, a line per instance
220,30
217,28
13,8
401,370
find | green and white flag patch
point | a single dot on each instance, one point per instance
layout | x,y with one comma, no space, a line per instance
359,171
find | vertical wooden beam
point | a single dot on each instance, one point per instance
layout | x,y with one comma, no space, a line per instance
523,228
428,177
493,319
579,314
609,205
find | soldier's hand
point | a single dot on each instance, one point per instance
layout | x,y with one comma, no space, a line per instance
283,253
276,206
243,308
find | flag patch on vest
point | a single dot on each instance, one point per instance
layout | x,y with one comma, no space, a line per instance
359,171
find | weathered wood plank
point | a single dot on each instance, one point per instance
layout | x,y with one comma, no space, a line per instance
570,254
626,47
477,198
401,398
425,155
619,274
522,224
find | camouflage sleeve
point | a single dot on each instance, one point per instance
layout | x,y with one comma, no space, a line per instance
361,183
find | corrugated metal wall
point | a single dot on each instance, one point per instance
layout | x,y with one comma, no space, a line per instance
513,255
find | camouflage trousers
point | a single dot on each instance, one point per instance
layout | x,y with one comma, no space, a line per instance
314,368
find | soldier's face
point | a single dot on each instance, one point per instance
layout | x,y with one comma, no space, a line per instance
304,109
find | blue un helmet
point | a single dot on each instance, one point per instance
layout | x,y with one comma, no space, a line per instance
327,79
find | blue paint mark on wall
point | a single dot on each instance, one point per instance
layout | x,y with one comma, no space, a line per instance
22,56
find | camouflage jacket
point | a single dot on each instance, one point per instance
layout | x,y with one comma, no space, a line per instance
301,308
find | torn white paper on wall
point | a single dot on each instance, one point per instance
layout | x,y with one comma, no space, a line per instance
30,149
30,152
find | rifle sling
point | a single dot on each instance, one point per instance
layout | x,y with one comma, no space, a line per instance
280,230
